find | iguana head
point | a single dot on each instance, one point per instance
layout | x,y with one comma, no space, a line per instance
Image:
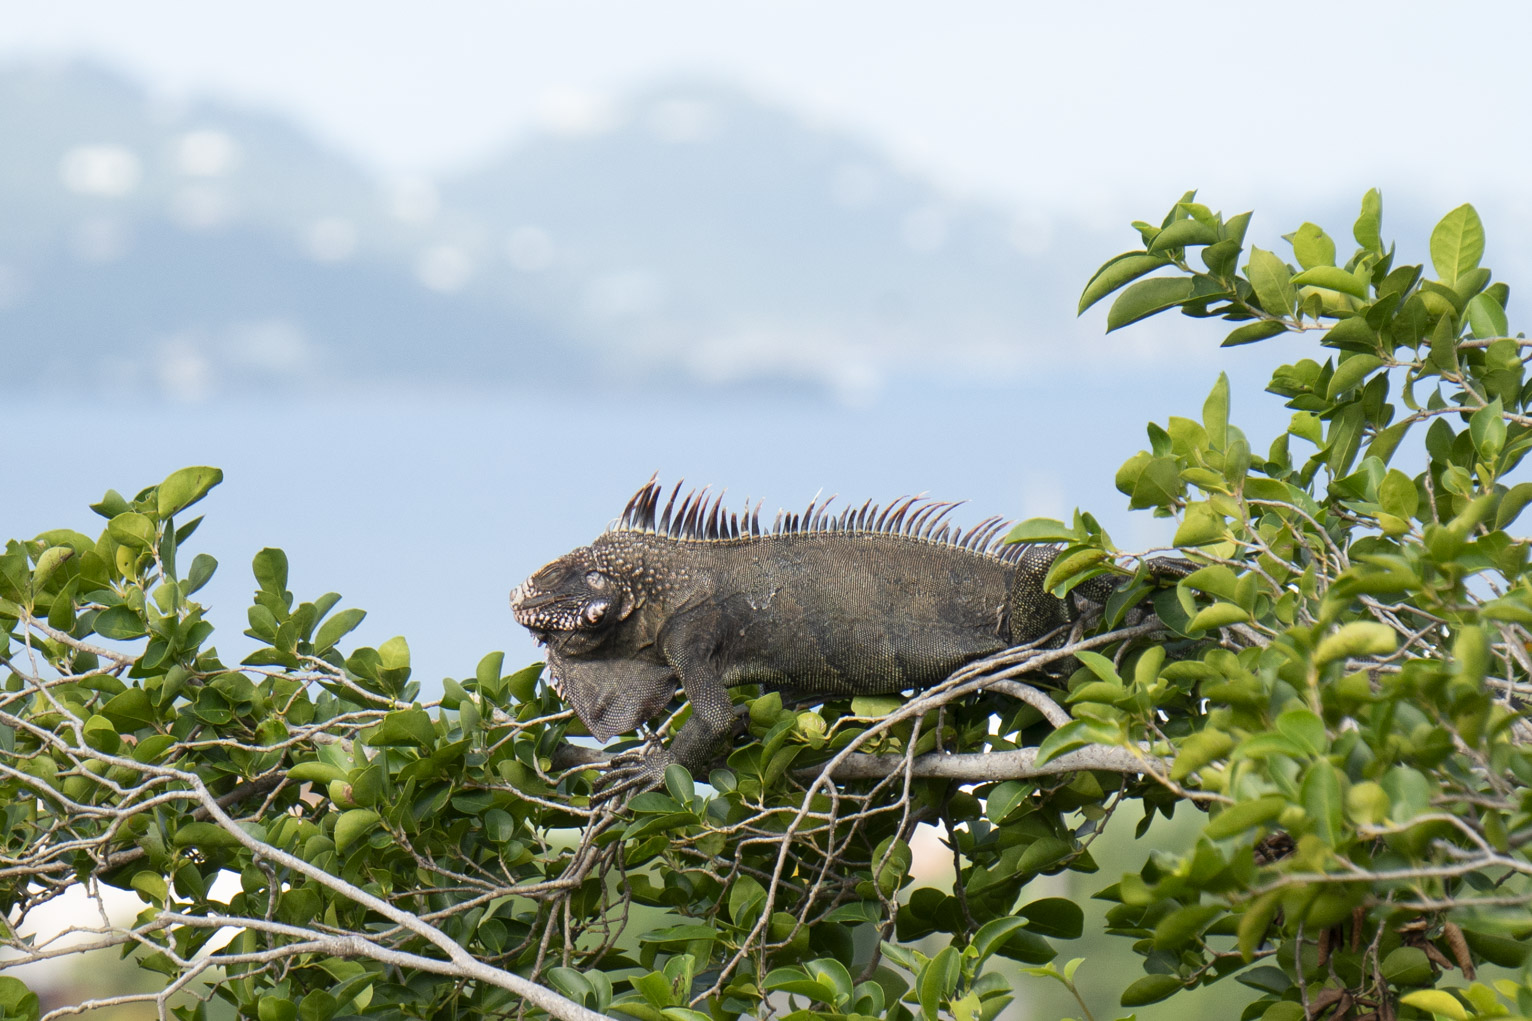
574,606
571,595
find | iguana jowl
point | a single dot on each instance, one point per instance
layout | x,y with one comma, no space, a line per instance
867,601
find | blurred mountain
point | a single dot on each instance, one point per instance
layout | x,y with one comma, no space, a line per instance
694,235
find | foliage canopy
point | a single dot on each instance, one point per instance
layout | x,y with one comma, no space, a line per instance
1336,693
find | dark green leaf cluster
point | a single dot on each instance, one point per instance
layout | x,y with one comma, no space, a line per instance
1364,756
1335,686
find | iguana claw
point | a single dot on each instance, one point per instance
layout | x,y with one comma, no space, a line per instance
630,774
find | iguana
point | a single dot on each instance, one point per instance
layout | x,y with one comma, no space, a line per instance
867,601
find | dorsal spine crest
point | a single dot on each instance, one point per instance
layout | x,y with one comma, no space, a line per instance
701,518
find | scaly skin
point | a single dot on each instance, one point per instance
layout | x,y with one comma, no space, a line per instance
824,607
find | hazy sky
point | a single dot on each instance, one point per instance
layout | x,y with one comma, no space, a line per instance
1073,106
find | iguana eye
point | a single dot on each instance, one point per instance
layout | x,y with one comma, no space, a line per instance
596,580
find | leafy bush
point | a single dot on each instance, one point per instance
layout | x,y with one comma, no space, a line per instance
1338,687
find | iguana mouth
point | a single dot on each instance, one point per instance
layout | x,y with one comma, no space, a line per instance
549,613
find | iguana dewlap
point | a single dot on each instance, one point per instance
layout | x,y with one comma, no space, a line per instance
867,601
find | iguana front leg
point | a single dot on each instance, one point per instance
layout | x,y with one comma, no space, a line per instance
689,645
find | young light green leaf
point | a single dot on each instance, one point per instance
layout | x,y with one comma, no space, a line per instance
1312,246
1369,223
1457,244
1352,370
354,825
1487,426
132,529
1147,298
183,488
1117,271
1042,530
1215,413
1333,278
1486,318
1183,234
1358,638
1252,332
1272,281
1436,1001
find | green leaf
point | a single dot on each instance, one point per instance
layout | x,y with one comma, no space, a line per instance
335,628
1150,481
1198,750
270,566
317,772
1252,332
204,834
746,898
1487,426
276,1008
183,488
1408,966
1120,270
1353,334
1042,530
1436,1001
678,781
1150,989
1147,298
1312,247
875,706
395,653
202,568
1322,800
1397,494
1272,281
354,825
1004,798
1054,916
1183,234
1201,526
1333,278
1178,928
1352,370
132,529
1218,615
938,980
1076,734
319,1005
129,710
1368,229
153,886
1358,638
1238,818
993,934
1255,922
119,623
1512,504
892,860
1305,728
405,727
1457,244
47,563
1486,318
